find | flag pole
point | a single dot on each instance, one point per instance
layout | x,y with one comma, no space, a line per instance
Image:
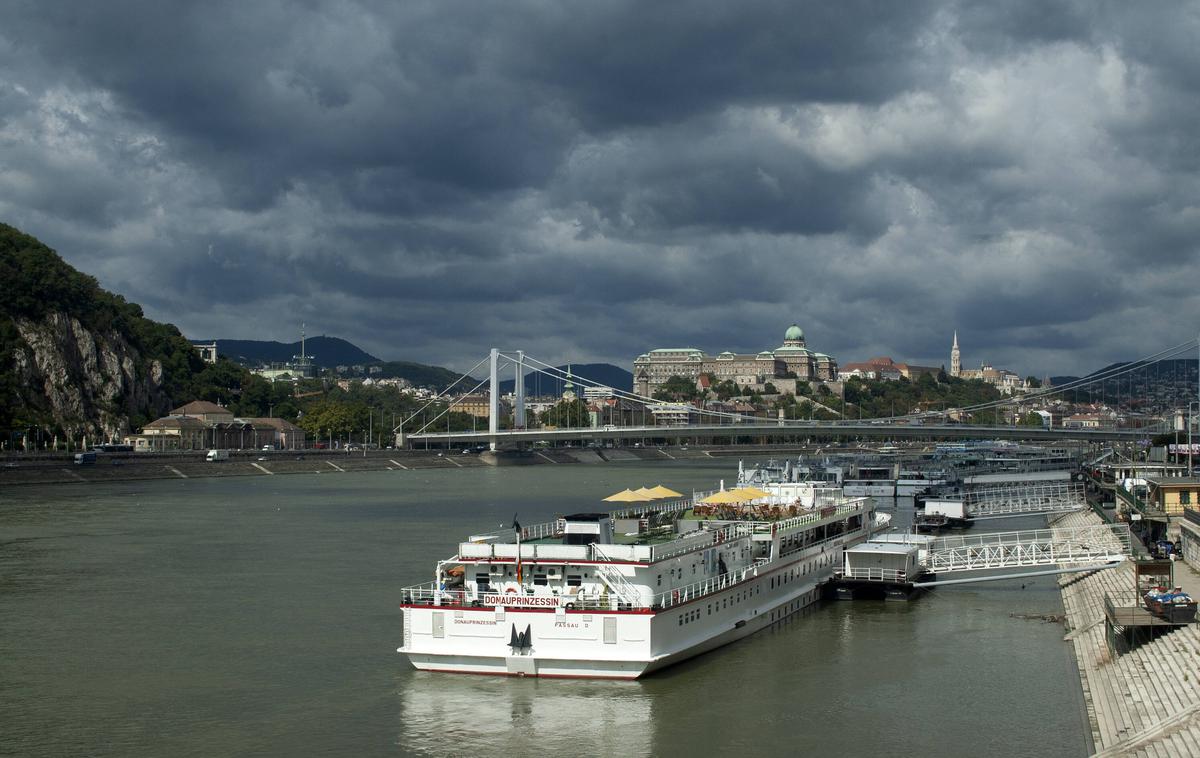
517,527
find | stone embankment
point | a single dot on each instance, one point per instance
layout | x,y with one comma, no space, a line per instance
1143,703
50,469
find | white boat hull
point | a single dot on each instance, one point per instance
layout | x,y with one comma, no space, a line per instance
864,489
912,487
644,642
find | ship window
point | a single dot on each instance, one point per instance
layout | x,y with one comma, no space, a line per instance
1185,497
482,580
540,579
574,580
660,580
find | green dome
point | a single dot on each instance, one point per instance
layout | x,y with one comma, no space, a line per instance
794,332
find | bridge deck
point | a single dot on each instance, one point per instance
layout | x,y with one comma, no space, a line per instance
790,429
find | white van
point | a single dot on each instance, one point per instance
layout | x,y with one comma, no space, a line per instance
217,455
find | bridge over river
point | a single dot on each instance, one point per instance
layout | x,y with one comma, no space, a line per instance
687,422
788,430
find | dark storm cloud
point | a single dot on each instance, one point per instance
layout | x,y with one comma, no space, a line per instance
589,180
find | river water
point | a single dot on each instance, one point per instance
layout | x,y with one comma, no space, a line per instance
257,616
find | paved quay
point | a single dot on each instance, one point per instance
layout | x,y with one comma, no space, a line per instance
16,469
1143,703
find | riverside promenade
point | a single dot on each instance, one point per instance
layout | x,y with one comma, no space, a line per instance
17,469
1143,703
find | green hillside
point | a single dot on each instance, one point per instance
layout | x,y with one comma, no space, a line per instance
39,284
59,330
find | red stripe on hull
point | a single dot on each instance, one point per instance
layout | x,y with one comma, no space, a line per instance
532,676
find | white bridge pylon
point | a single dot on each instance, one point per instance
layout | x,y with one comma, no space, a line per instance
1087,545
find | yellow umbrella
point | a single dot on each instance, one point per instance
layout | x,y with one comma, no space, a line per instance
647,493
725,496
626,496
661,491
752,493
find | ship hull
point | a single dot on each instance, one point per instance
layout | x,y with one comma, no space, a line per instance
648,642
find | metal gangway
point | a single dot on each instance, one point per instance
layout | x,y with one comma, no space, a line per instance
1024,499
1098,546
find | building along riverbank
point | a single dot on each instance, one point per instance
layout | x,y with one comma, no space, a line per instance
1145,702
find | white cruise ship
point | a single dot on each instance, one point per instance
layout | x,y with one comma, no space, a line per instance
618,595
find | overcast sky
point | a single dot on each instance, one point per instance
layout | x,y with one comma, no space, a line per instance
590,180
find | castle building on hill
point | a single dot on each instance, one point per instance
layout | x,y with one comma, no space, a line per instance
885,368
1002,379
790,362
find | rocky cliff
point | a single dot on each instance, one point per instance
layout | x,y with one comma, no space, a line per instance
82,381
75,359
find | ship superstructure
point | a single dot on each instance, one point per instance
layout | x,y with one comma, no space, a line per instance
618,595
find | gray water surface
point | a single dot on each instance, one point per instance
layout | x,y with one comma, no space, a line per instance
257,616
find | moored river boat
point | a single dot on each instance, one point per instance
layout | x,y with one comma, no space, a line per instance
619,595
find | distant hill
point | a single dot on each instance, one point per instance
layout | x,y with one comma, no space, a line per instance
1164,370
331,352
601,373
1171,381
325,352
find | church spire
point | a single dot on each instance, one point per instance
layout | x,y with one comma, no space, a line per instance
569,386
955,357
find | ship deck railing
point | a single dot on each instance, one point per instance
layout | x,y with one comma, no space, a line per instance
868,574
459,597
709,586
430,594
556,528
717,532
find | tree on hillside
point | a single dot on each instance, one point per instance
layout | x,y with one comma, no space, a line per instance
567,413
727,389
677,389
219,382
38,284
331,418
